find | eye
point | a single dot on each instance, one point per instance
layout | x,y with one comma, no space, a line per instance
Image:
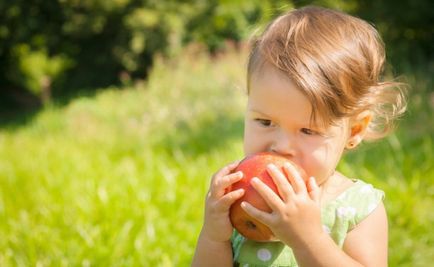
308,131
264,122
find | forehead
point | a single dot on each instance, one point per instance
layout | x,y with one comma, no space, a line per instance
271,91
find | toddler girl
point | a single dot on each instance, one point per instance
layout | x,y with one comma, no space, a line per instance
314,91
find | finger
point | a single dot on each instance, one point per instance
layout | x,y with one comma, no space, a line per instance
222,172
218,188
260,215
283,186
226,169
295,178
270,197
227,200
314,190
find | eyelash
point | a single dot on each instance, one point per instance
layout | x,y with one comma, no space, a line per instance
264,123
309,131
269,123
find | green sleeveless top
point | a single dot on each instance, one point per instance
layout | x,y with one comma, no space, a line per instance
338,217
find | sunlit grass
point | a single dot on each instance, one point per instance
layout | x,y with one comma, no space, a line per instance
119,179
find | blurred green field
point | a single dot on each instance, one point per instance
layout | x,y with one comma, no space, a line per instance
119,178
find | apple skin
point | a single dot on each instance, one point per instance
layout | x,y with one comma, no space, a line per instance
256,166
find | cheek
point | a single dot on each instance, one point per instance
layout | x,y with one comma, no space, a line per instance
253,142
321,161
316,165
247,140
250,143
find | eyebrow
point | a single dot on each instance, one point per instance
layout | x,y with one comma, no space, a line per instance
258,111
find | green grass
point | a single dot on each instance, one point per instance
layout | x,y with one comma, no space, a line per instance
119,179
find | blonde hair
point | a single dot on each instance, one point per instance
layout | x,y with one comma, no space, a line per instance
336,60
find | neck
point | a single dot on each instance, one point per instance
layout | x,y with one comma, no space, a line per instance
333,186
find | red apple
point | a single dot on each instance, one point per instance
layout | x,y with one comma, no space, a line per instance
255,166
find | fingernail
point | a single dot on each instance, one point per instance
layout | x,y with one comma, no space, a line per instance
271,166
313,181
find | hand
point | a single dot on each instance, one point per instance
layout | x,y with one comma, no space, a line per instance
217,226
295,218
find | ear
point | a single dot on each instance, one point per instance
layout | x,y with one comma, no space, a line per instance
358,126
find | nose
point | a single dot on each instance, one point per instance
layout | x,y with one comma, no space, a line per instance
284,144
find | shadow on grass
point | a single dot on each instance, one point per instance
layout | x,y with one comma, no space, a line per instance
206,135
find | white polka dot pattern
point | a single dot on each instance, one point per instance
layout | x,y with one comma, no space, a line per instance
326,229
264,254
346,212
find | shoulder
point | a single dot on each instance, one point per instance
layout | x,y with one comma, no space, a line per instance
362,199
367,236
358,222
367,241
351,197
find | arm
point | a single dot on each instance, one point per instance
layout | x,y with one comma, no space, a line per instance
368,242
213,246
212,253
365,245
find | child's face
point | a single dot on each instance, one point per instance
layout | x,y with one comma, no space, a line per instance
278,119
